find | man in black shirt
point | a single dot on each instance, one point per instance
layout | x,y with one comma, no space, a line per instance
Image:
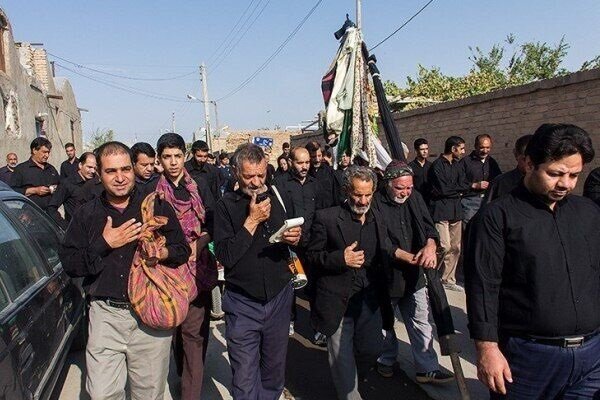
99,246
301,189
479,169
338,174
199,168
226,178
70,193
420,166
347,252
36,178
533,288
506,182
327,195
7,171
411,229
447,182
70,166
258,294
180,190
591,188
144,158
285,150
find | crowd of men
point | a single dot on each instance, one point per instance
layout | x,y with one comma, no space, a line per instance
525,249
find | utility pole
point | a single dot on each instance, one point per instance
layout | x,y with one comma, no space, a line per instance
217,131
359,14
206,105
173,122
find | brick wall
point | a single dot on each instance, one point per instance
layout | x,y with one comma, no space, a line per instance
509,113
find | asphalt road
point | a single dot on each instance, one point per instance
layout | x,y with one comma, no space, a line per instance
307,372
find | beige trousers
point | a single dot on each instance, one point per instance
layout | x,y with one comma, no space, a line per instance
449,252
121,349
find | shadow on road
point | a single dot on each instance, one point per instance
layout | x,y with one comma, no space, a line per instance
74,363
308,376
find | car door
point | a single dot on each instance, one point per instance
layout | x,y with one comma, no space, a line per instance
23,278
62,300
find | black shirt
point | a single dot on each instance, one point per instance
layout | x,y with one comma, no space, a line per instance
206,172
226,178
29,174
327,193
92,189
270,173
447,183
338,175
302,198
591,188
366,234
85,253
420,178
70,194
503,184
68,169
409,226
5,174
147,185
253,266
533,271
476,170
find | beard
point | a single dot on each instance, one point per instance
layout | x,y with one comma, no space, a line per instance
400,200
396,199
359,210
250,191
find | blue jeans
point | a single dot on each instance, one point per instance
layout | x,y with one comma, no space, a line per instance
550,372
414,309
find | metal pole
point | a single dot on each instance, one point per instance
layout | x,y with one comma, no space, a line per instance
173,122
206,105
359,14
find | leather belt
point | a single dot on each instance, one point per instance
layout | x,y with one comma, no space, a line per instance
565,342
124,305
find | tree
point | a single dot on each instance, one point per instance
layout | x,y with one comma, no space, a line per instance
491,70
99,137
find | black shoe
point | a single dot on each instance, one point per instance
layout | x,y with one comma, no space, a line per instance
436,376
387,371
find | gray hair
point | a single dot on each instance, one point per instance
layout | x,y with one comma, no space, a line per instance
247,152
357,172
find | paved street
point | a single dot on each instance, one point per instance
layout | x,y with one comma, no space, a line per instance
307,372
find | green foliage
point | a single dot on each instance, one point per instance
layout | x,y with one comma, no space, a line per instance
591,64
99,137
490,70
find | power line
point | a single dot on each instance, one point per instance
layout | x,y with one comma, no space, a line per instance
128,89
275,53
232,47
401,26
120,76
210,58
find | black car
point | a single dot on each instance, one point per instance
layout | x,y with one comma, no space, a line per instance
41,308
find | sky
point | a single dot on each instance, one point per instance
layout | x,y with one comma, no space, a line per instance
168,40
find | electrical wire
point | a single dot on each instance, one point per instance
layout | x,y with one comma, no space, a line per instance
232,47
120,76
210,58
402,26
128,89
270,58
